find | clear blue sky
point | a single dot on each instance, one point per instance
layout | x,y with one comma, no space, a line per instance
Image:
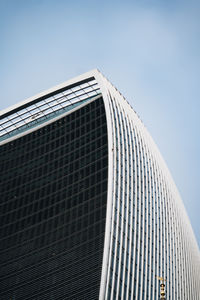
149,49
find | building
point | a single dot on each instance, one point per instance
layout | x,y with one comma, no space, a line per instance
88,207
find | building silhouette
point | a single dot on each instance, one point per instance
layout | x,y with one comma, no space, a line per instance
88,207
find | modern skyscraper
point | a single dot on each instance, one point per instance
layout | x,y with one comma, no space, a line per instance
88,207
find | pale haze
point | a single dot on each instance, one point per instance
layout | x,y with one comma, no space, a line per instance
148,49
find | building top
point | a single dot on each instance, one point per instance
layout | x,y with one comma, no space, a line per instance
47,105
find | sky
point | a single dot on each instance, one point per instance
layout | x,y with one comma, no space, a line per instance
148,49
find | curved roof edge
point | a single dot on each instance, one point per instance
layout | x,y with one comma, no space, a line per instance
69,83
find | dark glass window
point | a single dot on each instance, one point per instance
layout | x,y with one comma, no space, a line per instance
53,206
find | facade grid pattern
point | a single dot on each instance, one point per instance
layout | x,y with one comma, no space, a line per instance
138,230
156,244
53,203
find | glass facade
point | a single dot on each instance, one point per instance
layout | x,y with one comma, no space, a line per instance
53,208
88,207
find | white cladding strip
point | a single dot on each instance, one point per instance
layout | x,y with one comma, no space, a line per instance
130,209
149,223
116,253
121,211
104,286
114,179
145,246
